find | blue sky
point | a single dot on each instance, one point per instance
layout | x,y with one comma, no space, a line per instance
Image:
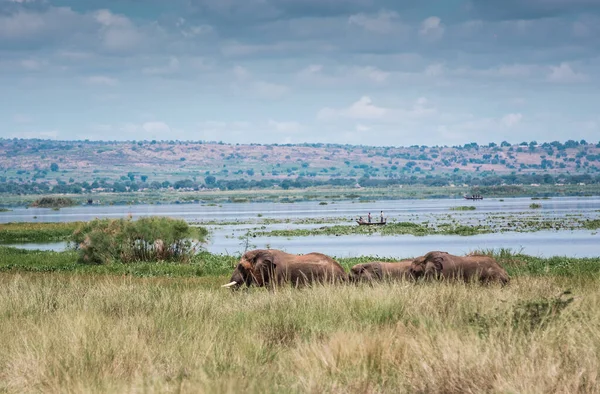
376,72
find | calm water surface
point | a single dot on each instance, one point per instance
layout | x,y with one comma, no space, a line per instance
226,238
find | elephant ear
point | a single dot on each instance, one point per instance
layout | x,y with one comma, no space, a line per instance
251,256
265,263
377,271
438,261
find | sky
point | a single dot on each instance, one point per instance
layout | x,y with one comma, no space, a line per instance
372,72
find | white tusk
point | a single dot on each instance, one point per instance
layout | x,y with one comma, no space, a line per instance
230,284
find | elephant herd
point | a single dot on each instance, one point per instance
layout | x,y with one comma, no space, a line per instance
271,267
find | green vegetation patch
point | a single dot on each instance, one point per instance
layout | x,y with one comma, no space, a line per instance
208,264
103,241
400,228
53,202
591,224
201,264
463,208
36,232
535,206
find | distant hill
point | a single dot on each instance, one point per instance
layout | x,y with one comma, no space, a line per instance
194,164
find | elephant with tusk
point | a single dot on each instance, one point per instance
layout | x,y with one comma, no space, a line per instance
271,267
442,265
379,270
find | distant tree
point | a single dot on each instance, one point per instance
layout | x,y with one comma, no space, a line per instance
505,143
131,176
54,167
285,185
250,172
119,187
210,180
144,178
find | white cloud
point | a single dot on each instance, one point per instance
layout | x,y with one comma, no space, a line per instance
362,128
234,48
511,120
46,134
310,70
117,32
102,80
240,73
26,24
156,127
269,90
191,31
515,70
361,109
285,127
170,68
31,64
20,118
248,85
421,108
432,28
383,22
435,70
370,72
563,73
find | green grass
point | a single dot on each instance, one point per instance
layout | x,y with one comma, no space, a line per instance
36,232
535,206
207,264
108,333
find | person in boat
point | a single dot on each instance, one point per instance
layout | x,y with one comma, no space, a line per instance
369,217
360,219
381,216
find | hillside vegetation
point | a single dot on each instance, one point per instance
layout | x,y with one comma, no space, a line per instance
43,166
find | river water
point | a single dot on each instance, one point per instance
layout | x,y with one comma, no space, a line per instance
229,223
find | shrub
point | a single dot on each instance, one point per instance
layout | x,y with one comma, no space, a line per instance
463,208
102,241
53,202
535,206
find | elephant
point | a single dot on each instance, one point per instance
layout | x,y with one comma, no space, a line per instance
271,267
442,265
379,270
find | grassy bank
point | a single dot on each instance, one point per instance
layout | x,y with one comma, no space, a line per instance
96,333
36,232
207,264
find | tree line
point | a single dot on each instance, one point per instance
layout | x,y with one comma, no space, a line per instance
210,182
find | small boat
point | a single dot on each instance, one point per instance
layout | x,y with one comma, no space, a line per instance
370,224
473,197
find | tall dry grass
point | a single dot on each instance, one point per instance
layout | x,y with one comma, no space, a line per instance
92,333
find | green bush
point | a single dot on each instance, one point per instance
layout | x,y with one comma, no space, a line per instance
103,241
535,206
53,202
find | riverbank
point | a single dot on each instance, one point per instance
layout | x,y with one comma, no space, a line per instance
319,194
